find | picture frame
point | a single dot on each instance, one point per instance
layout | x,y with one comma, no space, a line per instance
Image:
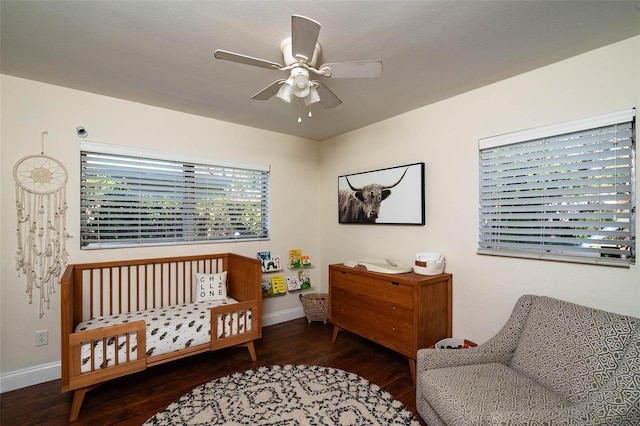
390,196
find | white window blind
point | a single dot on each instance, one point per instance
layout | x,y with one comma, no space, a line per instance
135,197
564,192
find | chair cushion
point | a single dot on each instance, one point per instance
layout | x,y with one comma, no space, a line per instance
467,395
573,350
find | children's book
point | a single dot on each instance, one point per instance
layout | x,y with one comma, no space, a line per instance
293,283
263,255
272,264
295,258
306,261
277,285
266,284
305,279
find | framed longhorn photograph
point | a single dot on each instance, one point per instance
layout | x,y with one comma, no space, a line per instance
393,196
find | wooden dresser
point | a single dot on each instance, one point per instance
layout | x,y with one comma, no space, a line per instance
404,312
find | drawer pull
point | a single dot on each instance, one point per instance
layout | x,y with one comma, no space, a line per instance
393,328
394,283
395,307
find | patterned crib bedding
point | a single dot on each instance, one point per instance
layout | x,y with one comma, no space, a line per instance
169,329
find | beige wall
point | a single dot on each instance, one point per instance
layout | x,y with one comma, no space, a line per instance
445,136
29,108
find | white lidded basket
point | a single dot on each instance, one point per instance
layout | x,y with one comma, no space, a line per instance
429,263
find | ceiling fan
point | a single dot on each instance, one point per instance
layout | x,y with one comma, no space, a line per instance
300,53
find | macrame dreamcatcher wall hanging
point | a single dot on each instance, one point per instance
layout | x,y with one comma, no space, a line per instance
42,232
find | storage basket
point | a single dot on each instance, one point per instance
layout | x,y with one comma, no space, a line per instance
316,306
453,343
433,268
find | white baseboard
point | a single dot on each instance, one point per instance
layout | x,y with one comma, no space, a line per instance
46,372
30,376
282,316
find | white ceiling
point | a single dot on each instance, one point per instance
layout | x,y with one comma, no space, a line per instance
161,52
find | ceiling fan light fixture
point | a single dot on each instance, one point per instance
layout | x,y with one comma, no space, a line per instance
286,92
312,97
301,83
301,89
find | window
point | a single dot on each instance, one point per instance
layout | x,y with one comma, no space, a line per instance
137,197
564,192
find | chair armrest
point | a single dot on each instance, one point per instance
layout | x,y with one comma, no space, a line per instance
440,358
499,348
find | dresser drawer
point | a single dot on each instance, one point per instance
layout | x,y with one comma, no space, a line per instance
345,299
385,322
375,289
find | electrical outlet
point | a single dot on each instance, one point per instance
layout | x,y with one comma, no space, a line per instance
42,337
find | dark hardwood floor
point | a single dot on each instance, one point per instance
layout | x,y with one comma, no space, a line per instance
133,399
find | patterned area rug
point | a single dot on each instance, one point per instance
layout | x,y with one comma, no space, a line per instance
287,395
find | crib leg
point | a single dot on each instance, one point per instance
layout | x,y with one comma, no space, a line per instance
78,397
252,351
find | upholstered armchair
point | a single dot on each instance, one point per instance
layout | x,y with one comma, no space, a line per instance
553,363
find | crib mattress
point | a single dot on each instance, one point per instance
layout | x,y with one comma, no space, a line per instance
169,329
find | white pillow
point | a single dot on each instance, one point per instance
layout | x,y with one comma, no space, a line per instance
211,287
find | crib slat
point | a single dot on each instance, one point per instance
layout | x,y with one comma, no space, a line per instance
91,311
120,290
161,284
189,280
111,283
129,288
93,356
138,268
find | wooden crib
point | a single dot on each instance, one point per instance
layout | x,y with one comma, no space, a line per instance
106,289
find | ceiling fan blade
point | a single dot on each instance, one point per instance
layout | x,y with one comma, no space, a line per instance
356,69
244,59
304,36
268,91
327,98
